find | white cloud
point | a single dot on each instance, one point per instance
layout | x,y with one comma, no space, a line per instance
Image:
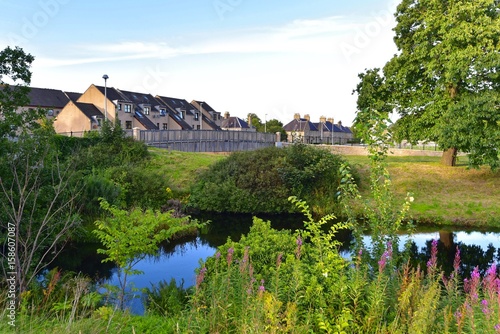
317,36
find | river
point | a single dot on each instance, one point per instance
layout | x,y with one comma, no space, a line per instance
179,260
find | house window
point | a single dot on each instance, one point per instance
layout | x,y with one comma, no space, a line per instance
146,110
128,125
50,112
198,127
119,106
157,125
196,116
127,108
162,112
183,114
164,126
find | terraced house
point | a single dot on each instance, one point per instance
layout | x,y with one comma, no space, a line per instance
75,113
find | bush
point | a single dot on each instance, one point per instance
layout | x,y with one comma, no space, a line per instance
261,181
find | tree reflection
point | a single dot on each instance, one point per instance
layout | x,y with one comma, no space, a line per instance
471,255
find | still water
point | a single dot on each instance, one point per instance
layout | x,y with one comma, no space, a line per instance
179,261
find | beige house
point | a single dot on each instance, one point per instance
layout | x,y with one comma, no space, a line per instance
75,113
233,123
323,132
76,118
212,119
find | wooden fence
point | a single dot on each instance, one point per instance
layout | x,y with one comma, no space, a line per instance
205,140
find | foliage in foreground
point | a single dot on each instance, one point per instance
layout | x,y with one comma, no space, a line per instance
262,180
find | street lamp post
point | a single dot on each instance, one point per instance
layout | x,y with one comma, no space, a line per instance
265,123
105,77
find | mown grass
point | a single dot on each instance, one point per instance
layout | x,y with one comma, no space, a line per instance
181,167
443,195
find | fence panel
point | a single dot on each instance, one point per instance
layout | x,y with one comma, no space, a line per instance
206,140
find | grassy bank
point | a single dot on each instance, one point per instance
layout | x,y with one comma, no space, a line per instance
444,195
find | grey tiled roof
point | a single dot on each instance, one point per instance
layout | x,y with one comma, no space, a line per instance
146,122
73,96
89,109
234,123
113,94
47,98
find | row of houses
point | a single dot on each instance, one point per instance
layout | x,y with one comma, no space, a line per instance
77,113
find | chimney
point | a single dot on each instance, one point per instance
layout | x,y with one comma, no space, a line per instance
296,116
330,120
322,119
340,123
307,117
226,115
249,120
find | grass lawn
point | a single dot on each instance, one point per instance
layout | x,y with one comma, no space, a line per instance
181,167
445,195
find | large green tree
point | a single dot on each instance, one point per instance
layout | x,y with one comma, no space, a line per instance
444,81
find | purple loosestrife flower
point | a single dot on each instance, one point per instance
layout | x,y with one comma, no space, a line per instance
382,262
299,246
484,307
497,328
229,257
278,260
217,255
432,263
471,286
459,317
200,277
489,281
456,261
244,261
261,287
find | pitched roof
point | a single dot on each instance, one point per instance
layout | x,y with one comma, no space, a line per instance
175,104
88,109
206,106
233,122
300,125
47,98
146,122
73,96
140,98
113,94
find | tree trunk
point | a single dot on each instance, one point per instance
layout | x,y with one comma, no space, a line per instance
449,157
446,239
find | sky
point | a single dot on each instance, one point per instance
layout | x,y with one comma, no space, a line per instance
273,58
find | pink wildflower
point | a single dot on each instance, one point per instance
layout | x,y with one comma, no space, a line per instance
432,263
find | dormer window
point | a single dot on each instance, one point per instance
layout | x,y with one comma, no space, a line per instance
119,107
127,108
146,110
163,112
196,116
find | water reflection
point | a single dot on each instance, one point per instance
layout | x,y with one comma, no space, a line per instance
178,260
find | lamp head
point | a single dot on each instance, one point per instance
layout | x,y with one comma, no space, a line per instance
105,77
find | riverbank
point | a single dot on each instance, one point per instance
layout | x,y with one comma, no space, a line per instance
443,195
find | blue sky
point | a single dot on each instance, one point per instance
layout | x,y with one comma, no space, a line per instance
273,58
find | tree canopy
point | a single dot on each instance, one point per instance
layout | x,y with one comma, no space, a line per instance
444,81
15,68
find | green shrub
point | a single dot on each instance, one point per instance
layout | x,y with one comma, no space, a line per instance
166,299
261,181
